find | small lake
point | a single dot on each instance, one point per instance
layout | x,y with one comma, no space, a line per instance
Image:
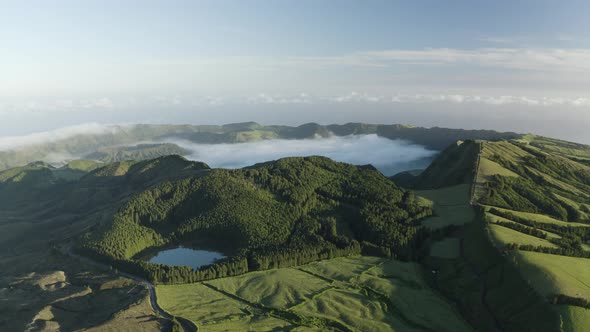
181,256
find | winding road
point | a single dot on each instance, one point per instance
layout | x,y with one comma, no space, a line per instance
187,325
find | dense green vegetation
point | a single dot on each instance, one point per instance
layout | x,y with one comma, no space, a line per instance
544,183
455,165
525,195
276,214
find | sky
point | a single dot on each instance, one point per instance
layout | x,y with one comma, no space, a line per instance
506,65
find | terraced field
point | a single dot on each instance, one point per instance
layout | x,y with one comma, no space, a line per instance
347,294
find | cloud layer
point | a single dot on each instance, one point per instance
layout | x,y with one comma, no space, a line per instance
52,136
389,156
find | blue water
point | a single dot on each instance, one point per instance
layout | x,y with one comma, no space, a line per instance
186,257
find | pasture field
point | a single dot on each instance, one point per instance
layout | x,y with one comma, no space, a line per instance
574,318
538,217
551,274
451,206
490,218
501,236
289,287
488,168
351,294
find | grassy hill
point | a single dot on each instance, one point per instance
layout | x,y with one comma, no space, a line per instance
521,262
455,165
373,294
535,194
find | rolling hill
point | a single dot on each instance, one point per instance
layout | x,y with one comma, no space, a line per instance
495,237
530,234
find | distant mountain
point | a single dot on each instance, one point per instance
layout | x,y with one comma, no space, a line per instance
117,143
135,152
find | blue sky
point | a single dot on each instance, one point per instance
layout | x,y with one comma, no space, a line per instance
428,62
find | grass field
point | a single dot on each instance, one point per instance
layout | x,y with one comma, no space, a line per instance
488,168
138,317
342,269
551,274
574,318
539,217
490,218
289,287
451,206
356,293
501,236
404,285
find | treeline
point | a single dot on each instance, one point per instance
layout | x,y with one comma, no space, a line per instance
572,237
280,258
535,192
525,195
557,167
523,229
569,300
547,250
237,265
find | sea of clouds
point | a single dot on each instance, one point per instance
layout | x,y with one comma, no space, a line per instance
389,156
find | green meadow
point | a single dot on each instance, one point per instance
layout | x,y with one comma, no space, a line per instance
348,294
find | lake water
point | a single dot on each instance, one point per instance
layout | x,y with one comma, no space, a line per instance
186,257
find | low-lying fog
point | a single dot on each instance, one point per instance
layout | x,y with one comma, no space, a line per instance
389,156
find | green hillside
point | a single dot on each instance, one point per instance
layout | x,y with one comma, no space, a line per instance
273,213
535,193
496,237
455,165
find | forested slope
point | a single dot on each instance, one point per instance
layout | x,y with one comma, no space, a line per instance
271,212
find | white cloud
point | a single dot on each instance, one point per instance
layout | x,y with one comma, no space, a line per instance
508,58
389,156
354,97
511,58
15,142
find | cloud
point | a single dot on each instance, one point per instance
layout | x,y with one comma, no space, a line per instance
507,58
15,142
543,59
389,156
